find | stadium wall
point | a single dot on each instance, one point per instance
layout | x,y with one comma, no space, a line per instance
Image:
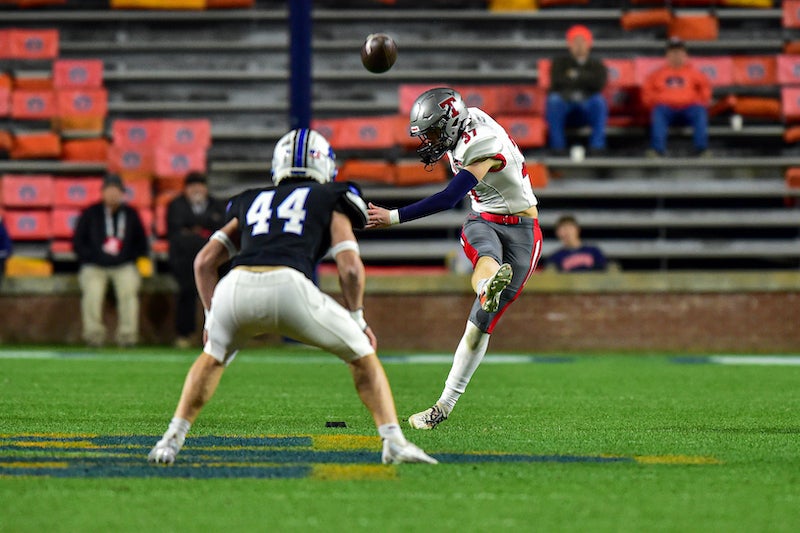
689,312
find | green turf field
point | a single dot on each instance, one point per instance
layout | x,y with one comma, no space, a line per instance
595,443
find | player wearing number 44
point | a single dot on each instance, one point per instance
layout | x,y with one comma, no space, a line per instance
501,234
275,236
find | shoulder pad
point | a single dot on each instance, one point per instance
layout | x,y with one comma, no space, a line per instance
484,144
351,203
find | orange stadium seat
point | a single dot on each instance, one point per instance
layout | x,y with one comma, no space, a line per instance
694,27
790,103
719,70
527,132
44,145
791,134
135,132
160,220
486,97
28,225
139,193
64,220
5,98
408,92
32,44
158,4
185,133
543,73
169,184
76,192
792,177
130,161
791,14
539,175
788,69
367,170
82,109
33,83
643,66
758,107
645,18
408,173
621,72
179,161
6,141
61,247
367,133
85,150
755,70
33,105
78,73
27,191
522,99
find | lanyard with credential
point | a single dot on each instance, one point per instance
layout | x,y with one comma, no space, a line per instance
120,224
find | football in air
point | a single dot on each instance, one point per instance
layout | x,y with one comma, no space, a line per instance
378,53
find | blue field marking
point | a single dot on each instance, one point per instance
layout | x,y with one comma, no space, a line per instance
269,457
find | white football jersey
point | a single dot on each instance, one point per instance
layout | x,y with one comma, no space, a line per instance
505,190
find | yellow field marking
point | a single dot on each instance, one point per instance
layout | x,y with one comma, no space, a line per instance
346,442
333,472
42,464
676,460
55,444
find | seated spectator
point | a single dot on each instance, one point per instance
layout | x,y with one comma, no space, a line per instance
574,256
575,99
109,238
677,94
191,219
5,249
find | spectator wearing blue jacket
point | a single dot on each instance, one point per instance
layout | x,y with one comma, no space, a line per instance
574,256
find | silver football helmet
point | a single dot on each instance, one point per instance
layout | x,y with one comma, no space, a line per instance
438,117
303,153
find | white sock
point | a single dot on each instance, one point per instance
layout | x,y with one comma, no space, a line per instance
480,285
468,356
178,427
391,432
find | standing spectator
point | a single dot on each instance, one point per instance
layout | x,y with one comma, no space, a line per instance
5,249
575,99
191,219
108,239
677,94
574,256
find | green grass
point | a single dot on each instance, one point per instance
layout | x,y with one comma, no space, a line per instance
746,417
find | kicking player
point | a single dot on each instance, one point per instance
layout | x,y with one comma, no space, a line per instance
276,235
501,234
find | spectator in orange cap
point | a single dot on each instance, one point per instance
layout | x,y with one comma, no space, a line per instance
576,83
677,94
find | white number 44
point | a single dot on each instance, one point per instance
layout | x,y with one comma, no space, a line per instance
292,209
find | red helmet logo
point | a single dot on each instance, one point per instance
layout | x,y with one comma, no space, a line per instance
449,103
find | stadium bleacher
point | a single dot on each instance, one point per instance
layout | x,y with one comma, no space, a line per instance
230,67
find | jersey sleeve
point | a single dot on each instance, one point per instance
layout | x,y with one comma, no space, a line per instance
352,204
482,145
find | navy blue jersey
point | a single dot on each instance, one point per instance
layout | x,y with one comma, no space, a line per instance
578,259
289,224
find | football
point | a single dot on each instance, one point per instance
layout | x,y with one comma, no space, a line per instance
378,53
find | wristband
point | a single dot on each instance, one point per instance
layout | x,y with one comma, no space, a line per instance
358,316
394,217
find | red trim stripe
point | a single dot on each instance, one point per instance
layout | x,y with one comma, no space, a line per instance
535,255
